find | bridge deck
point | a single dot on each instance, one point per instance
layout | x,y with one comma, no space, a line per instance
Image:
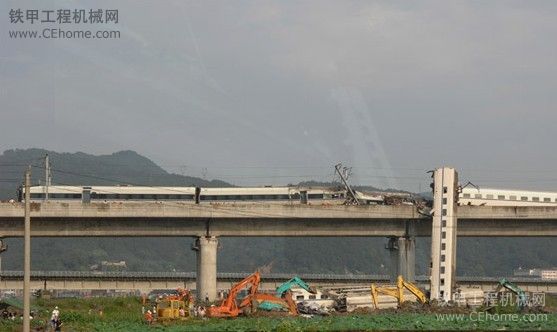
257,219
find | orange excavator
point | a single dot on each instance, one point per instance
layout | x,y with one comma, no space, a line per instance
284,302
229,307
283,297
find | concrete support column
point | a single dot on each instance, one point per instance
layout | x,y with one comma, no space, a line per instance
402,252
407,258
392,247
206,247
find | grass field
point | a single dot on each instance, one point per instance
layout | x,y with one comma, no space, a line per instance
124,314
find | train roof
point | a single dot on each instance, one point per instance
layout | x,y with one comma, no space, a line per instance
175,190
506,191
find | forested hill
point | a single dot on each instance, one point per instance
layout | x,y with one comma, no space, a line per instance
124,167
476,256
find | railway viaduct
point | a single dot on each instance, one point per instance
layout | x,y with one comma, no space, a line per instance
207,222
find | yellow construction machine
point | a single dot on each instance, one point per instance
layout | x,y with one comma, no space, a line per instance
169,307
397,292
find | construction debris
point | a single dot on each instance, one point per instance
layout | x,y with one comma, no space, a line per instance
312,308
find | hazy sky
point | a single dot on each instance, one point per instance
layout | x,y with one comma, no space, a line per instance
391,88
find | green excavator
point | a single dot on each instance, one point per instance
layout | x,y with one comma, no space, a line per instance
520,294
283,292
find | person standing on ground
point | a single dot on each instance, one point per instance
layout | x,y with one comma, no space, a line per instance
58,325
54,317
149,317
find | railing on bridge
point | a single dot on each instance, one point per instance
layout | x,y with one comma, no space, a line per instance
130,275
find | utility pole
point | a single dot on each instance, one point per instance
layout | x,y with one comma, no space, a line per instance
27,254
3,247
343,174
47,176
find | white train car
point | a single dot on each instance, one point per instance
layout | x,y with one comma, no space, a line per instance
112,193
270,194
193,194
506,197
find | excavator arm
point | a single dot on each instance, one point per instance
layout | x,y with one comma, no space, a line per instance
376,290
283,298
397,292
401,283
504,283
229,307
294,282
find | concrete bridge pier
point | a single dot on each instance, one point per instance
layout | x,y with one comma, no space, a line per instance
206,280
407,258
403,257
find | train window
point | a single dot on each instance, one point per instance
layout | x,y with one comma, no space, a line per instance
523,198
535,199
442,258
299,297
315,196
512,198
312,297
443,223
443,246
464,195
489,196
547,199
478,196
501,197
443,235
36,196
444,212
